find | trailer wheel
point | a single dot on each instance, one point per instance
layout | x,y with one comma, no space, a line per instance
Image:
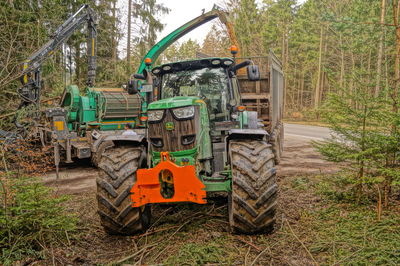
252,202
117,174
277,142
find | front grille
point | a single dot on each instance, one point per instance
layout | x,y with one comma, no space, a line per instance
181,137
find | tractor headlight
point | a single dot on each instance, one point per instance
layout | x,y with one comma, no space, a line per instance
184,112
155,115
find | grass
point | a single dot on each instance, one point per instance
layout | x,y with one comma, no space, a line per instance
212,251
350,234
346,232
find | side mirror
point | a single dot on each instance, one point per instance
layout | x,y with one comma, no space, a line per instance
132,86
253,73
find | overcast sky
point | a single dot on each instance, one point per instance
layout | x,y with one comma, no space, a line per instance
184,11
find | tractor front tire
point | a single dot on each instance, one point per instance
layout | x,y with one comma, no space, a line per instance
252,202
117,174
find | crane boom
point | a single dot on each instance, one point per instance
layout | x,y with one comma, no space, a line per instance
31,76
164,43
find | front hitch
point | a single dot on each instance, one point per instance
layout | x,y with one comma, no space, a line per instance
167,182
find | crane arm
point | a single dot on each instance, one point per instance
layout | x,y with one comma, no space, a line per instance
31,78
164,43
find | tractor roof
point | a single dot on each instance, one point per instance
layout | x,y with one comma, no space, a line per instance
212,62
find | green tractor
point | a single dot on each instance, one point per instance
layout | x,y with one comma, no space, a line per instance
209,128
200,139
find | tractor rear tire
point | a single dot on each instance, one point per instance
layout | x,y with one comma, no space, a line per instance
117,174
252,202
277,142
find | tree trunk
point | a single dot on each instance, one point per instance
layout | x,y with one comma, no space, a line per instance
380,50
115,36
318,84
396,9
128,42
341,80
78,63
302,90
351,81
323,76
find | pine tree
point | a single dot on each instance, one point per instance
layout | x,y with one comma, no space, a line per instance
216,43
359,122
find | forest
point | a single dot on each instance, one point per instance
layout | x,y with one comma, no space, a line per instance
338,197
325,46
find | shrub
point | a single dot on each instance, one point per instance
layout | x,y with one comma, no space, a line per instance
31,218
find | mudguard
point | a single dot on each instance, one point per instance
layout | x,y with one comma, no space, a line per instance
248,132
115,138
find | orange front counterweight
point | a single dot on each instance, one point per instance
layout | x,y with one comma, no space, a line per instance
187,187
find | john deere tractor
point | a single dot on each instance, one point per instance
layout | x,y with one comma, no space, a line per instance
201,139
213,125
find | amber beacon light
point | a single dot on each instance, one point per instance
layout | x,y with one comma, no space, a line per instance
147,61
234,49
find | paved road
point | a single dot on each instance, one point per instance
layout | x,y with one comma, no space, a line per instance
309,132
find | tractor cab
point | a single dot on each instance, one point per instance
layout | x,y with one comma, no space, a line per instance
207,79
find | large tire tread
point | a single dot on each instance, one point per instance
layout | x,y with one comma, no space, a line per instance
252,203
117,174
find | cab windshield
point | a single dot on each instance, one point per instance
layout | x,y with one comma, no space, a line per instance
210,84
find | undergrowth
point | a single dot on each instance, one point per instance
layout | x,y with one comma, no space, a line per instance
345,229
32,220
211,252
351,235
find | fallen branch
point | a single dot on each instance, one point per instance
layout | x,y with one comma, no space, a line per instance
259,255
304,246
155,231
176,231
250,244
134,254
42,101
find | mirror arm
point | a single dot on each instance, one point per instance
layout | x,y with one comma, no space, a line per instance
245,63
139,76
